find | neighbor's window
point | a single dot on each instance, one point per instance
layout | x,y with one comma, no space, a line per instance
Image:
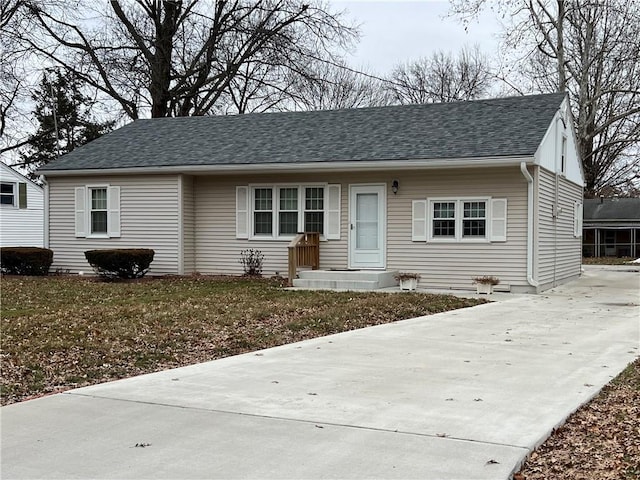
98,212
263,211
474,219
314,209
7,194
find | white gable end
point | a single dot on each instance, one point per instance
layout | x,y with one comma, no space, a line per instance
558,151
21,210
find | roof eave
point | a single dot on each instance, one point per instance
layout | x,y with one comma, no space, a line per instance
344,166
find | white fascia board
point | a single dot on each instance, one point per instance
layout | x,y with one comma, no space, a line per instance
367,165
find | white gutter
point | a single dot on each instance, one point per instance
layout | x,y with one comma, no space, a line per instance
523,168
45,238
308,167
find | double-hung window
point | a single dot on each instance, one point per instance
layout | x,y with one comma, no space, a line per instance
314,209
474,219
444,219
8,194
288,213
98,210
282,211
458,220
263,211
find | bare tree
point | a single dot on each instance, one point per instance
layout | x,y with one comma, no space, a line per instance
442,78
328,86
591,50
180,57
12,60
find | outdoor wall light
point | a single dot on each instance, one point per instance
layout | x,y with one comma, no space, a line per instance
394,186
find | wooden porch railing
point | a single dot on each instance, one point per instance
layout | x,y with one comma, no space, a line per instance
304,251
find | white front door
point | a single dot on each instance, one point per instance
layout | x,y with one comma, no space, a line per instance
367,230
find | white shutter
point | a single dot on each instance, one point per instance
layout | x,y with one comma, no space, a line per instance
577,219
22,195
81,211
499,220
113,215
242,212
333,213
419,221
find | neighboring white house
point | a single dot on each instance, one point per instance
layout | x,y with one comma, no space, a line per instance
21,210
450,191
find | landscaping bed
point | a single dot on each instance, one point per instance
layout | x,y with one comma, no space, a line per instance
600,441
62,332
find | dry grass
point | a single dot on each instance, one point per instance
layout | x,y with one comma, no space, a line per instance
600,441
65,332
606,260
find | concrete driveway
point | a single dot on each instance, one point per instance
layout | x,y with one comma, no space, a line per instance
459,395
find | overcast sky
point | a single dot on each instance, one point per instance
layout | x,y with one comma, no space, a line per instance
396,31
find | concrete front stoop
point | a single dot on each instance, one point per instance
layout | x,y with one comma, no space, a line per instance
345,279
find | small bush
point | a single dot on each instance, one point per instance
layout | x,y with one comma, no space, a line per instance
120,262
251,261
25,260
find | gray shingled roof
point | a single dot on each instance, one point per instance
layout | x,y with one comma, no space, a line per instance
608,209
484,128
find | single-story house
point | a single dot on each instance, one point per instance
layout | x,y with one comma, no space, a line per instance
611,227
450,191
21,210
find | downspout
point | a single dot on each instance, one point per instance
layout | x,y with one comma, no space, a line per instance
45,232
532,281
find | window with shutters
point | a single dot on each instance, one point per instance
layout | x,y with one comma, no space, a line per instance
460,220
281,211
97,211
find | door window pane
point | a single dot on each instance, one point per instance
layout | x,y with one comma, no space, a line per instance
367,221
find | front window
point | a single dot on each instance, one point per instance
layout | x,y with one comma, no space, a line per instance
99,210
283,211
263,211
288,215
7,194
314,210
444,219
474,219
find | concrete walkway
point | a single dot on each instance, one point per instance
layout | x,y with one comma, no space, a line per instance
459,395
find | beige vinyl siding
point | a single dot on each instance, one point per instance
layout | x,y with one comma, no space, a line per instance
443,265
218,250
188,225
148,219
451,265
558,252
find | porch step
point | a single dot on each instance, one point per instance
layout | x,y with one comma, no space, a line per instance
345,279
